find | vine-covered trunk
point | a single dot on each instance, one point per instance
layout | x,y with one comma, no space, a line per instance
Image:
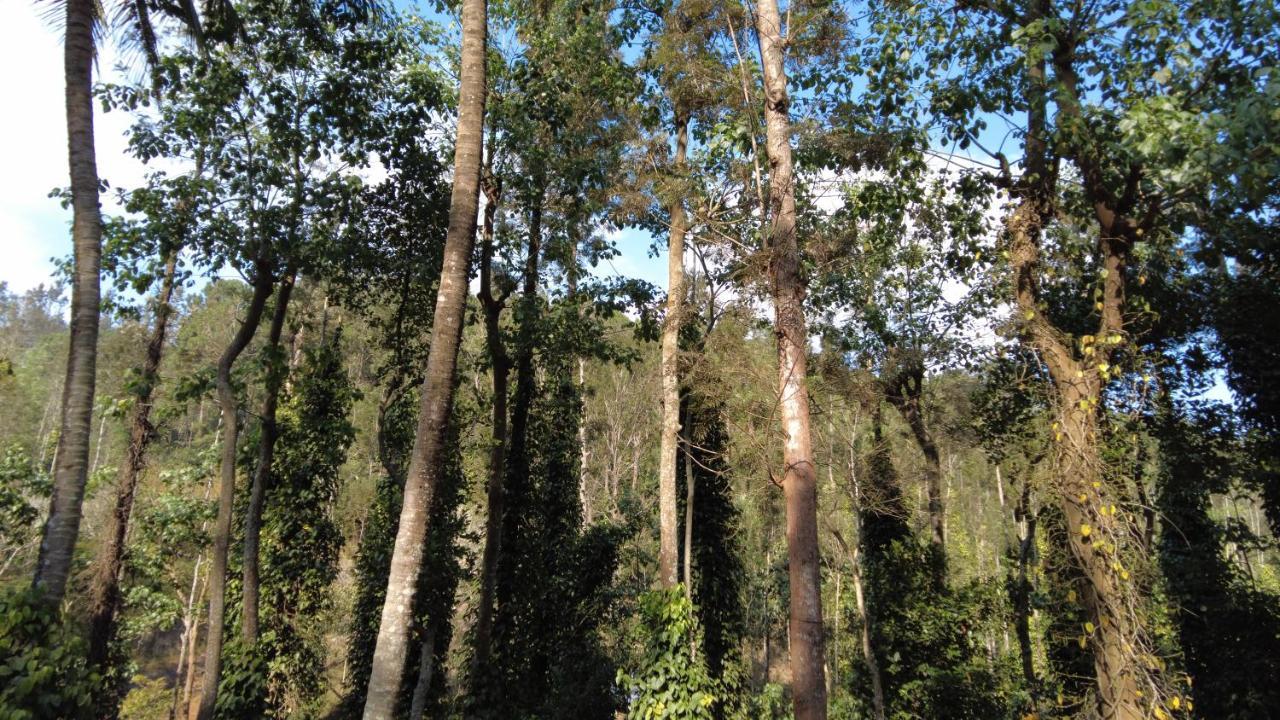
808,684
262,284
1092,533
668,526
104,593
276,369
906,394
70,470
1095,534
500,364
426,463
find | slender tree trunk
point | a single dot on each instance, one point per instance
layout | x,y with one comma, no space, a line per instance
426,668
97,446
426,466
500,363
104,594
806,632
690,490
1022,597
276,369
230,406
57,546
868,652
864,611
668,540
186,668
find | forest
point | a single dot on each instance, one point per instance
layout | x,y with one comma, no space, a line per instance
961,398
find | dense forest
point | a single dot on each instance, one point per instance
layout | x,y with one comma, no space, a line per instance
960,399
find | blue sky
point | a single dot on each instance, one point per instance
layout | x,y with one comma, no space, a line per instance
34,228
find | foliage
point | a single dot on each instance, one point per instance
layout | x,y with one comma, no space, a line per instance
668,681
20,484
43,674
300,541
1229,627
149,699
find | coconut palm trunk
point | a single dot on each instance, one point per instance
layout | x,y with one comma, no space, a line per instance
425,465
70,470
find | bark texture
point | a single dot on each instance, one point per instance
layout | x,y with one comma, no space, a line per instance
262,284
425,465
668,526
104,594
276,370
70,470
808,684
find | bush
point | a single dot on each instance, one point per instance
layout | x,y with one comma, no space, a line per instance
669,682
43,673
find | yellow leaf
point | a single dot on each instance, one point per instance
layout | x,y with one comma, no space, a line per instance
1175,702
1088,628
1085,530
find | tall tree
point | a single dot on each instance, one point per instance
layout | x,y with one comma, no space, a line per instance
70,472
104,593
787,286
229,404
438,385
668,546
275,369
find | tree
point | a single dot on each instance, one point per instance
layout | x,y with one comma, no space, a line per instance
71,471
438,384
787,286
105,591
82,18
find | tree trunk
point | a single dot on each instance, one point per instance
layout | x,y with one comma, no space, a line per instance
668,540
276,369
104,595
262,285
426,668
906,394
500,363
690,490
63,526
1022,594
426,466
805,635
185,670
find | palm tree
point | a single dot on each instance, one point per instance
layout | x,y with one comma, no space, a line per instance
81,20
71,468
437,390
